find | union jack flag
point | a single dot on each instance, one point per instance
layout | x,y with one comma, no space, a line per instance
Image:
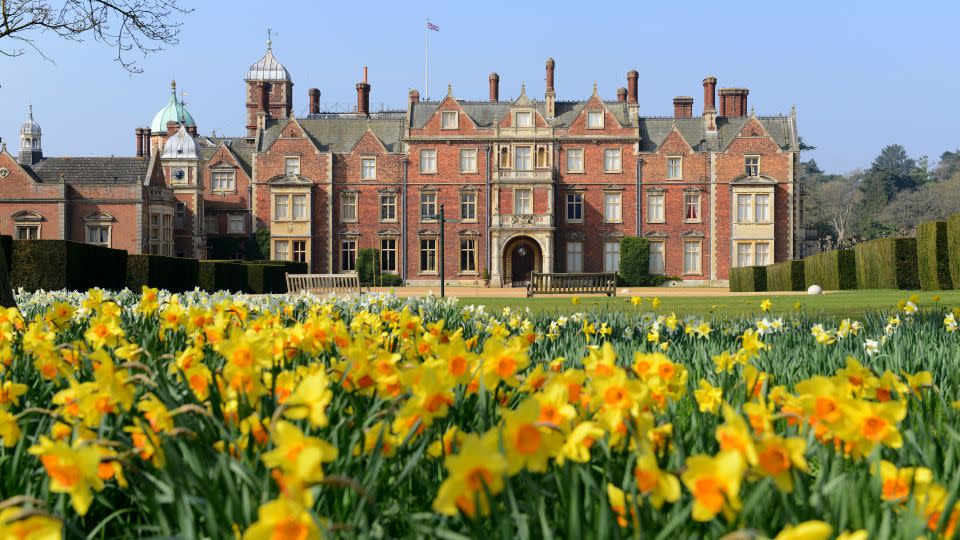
431,26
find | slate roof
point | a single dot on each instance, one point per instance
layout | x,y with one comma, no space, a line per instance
92,170
242,149
486,114
653,130
339,133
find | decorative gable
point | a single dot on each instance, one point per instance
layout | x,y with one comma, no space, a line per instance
523,114
450,116
369,143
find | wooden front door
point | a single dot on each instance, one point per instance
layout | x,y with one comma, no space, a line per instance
521,265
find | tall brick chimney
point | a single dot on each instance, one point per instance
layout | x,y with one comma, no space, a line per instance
314,95
709,94
363,95
550,97
494,87
146,142
414,96
264,94
622,94
139,133
633,104
683,107
733,102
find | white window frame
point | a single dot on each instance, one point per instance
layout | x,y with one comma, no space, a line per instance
675,172
660,215
90,227
612,154
424,217
611,255
613,207
223,181
368,171
388,201
281,201
232,220
528,198
428,161
468,200
26,227
468,247
757,218
528,115
349,207
470,154
751,169
296,215
574,201
592,122
291,165
517,166
687,270
766,259
575,157
743,254
658,257
388,245
281,250
698,206
574,251
744,212
449,119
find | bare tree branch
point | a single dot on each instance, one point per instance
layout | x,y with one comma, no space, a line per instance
129,26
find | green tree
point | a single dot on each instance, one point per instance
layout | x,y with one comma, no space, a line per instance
262,238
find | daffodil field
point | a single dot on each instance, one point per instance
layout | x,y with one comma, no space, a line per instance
129,415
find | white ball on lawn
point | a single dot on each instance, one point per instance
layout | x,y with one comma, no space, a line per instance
625,291
814,289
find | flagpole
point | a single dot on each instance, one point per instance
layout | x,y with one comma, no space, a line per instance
426,60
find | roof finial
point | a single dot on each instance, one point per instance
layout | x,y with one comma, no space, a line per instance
30,112
753,113
269,39
449,89
173,86
594,87
523,89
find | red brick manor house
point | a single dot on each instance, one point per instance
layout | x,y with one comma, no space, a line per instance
530,184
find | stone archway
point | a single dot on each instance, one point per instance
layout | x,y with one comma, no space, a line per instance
521,256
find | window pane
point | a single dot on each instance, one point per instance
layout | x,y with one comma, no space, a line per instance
655,208
428,205
523,203
280,206
236,223
388,207
691,257
428,254
673,168
595,119
468,206
388,255
522,159
292,165
574,256
743,208
762,213
468,255
574,207
448,120
763,254
428,161
743,254
348,207
611,256
575,160
468,160
611,160
280,250
656,257
348,255
611,207
691,203
524,119
368,168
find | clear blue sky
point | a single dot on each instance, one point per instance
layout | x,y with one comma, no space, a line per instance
862,74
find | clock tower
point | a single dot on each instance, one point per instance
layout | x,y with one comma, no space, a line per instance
183,169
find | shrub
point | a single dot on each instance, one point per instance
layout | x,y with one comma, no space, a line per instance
785,276
634,261
266,277
887,263
61,264
389,280
953,249
933,256
223,276
262,238
831,270
368,265
175,274
748,279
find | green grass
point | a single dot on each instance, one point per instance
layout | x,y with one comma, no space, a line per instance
839,304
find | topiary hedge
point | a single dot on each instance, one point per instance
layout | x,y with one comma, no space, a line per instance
634,261
266,277
223,276
953,249
933,256
785,276
61,264
887,263
175,274
6,291
831,270
748,279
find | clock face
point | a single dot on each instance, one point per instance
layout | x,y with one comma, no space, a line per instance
4,172
179,174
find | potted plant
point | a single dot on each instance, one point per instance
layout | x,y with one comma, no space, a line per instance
486,277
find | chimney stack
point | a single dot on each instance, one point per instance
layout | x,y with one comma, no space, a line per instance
733,102
550,67
622,94
494,87
139,132
709,94
632,77
363,95
314,95
683,107
414,96
146,142
550,98
264,95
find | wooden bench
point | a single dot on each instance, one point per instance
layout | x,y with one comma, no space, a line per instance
579,283
323,283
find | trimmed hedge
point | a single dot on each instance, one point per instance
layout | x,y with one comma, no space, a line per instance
266,277
953,249
634,261
831,270
748,279
785,276
175,274
887,263
223,276
933,256
6,291
389,280
62,264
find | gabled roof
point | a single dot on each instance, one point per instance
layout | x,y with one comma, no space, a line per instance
654,130
93,170
339,133
238,146
487,114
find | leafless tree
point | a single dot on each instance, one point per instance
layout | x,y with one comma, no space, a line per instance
143,26
932,201
835,202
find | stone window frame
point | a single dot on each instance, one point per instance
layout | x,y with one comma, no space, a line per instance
220,170
516,119
619,169
380,206
662,193
619,195
582,152
346,238
363,168
530,147
27,219
436,158
396,251
423,237
436,204
603,118
662,242
699,269
699,195
752,211
456,120
566,206
679,176
527,189
568,253
611,241
287,160
344,196
476,205
752,255
747,166
460,251
98,221
476,160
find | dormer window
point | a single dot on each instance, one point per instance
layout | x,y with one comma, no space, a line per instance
524,119
595,120
223,181
448,119
292,166
751,165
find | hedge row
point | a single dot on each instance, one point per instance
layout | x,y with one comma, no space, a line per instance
887,263
933,261
786,276
62,264
748,278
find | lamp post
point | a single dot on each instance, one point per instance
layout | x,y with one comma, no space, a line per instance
442,258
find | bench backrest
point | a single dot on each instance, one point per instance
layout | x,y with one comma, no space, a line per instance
570,283
323,283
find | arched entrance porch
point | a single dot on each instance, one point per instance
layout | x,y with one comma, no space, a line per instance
521,256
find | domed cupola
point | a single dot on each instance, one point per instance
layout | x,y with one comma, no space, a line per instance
173,112
268,68
31,151
181,145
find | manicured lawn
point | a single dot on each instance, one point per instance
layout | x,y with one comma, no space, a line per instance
840,304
